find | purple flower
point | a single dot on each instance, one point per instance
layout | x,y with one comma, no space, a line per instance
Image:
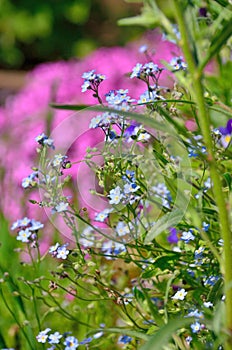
228,129
172,238
226,134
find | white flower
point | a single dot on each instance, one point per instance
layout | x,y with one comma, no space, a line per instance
196,327
42,336
62,252
23,235
130,187
62,206
208,304
187,236
115,195
53,248
143,137
122,229
58,159
180,295
54,338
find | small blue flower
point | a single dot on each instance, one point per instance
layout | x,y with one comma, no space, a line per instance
19,224
124,339
98,335
129,176
211,280
161,191
122,229
207,184
188,339
86,341
26,228
29,181
150,96
58,160
61,207
143,48
85,86
35,225
196,327
103,215
53,249
59,251
71,343
112,135
89,75
112,248
24,235
62,252
178,63
92,81
221,242
136,71
130,188
115,195
198,255
150,68
119,100
205,226
187,236
54,338
42,336
196,314
43,140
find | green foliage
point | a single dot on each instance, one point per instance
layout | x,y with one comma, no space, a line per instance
35,31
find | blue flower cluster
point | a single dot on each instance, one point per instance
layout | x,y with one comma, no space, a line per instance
161,191
69,341
119,100
59,251
27,229
178,63
44,140
31,180
92,80
125,194
196,147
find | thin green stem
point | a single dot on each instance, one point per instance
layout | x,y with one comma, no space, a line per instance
196,75
13,314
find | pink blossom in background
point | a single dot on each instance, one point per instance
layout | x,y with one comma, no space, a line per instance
25,115
191,125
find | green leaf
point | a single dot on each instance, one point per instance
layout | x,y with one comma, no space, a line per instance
129,332
2,341
219,317
228,179
146,19
166,221
69,107
162,337
220,38
222,2
166,262
139,296
153,309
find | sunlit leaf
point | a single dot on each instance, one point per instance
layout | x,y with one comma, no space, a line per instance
163,336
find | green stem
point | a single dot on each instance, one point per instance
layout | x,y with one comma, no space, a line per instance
196,75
